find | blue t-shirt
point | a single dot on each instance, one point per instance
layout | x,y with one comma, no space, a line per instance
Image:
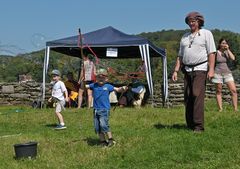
101,95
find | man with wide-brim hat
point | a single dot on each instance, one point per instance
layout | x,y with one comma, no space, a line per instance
196,58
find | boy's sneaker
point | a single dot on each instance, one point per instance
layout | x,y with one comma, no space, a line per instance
60,127
104,143
111,142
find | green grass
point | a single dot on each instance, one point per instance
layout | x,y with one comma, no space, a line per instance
146,138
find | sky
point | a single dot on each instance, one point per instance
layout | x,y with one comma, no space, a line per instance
26,25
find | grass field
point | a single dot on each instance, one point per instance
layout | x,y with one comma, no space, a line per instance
146,138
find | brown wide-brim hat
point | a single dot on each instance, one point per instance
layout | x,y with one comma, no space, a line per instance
195,15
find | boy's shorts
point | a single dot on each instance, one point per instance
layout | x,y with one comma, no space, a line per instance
101,117
222,78
60,105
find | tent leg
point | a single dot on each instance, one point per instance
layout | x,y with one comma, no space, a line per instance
163,95
45,67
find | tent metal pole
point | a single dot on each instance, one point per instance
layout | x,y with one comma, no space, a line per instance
44,78
45,68
165,80
163,83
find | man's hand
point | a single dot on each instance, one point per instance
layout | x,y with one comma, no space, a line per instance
211,63
210,74
174,76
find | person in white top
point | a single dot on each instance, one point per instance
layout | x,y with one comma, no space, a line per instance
196,58
87,76
59,96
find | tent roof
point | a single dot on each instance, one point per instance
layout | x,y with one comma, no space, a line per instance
100,40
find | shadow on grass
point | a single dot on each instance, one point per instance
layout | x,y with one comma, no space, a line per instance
174,126
91,141
53,125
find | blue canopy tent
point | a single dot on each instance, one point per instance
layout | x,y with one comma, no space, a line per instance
100,41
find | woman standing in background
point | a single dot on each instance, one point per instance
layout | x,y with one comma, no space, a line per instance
223,74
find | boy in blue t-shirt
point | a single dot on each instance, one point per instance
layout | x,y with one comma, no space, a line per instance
101,105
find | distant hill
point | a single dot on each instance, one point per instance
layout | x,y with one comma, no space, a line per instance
32,63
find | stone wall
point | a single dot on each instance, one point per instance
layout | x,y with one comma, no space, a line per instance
24,93
27,92
176,96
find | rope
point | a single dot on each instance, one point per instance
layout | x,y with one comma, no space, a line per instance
111,71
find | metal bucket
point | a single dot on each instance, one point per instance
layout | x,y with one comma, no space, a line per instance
26,150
